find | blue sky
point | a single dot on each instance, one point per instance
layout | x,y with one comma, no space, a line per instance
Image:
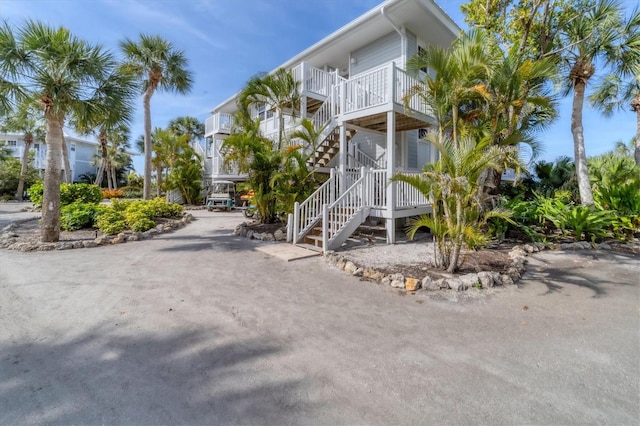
228,41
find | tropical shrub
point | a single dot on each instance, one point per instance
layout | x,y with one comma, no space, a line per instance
131,192
585,222
138,220
10,176
80,215
111,222
112,193
69,193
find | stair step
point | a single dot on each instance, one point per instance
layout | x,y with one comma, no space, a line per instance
310,247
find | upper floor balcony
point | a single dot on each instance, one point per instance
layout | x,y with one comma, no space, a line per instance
218,123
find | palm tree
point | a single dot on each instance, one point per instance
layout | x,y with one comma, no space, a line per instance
160,66
189,126
278,91
598,36
614,93
115,118
26,119
453,184
65,74
117,157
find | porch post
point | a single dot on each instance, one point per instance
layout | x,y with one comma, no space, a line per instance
303,107
391,187
343,156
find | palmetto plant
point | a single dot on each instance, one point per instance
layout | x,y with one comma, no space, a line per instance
66,76
160,66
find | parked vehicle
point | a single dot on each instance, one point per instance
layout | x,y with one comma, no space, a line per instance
222,195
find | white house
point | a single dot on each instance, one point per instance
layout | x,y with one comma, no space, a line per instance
353,84
81,153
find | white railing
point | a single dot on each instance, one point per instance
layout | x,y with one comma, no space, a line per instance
328,110
362,159
409,196
407,85
219,122
337,215
377,188
307,213
314,79
198,149
220,168
367,90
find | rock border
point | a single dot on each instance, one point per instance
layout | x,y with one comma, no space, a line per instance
483,279
11,241
243,231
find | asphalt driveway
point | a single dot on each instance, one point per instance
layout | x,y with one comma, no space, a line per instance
197,327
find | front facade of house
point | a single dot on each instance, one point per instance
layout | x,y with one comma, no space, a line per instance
81,153
353,85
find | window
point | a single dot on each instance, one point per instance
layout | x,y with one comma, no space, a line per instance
73,147
12,143
36,146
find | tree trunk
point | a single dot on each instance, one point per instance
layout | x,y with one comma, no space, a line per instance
635,105
50,223
580,156
65,157
114,177
28,140
103,160
158,181
146,101
108,168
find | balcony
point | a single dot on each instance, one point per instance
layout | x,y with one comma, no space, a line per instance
315,82
218,123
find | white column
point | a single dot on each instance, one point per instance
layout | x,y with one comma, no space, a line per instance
391,189
343,156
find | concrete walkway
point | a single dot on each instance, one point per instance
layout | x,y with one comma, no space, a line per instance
200,327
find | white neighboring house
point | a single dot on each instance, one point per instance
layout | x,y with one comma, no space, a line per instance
81,153
353,84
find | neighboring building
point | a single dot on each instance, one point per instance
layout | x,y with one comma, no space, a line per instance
81,153
353,83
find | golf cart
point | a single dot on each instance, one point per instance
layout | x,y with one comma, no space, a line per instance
222,195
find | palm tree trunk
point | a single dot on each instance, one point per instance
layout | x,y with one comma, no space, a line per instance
146,102
28,139
114,176
50,223
159,181
580,156
635,105
108,167
65,157
103,160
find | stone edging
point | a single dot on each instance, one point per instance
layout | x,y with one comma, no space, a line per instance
243,230
10,240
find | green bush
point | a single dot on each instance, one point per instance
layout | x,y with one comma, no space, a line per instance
36,192
163,209
80,215
137,220
69,193
10,176
120,205
111,222
585,221
131,192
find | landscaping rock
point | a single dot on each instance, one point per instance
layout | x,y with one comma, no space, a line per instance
77,245
280,235
89,244
397,281
529,248
350,267
412,284
497,278
456,284
372,274
358,272
268,237
604,246
45,247
64,246
486,280
341,262
429,284
506,280
470,280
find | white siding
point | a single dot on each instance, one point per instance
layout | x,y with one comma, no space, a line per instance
379,52
372,144
412,150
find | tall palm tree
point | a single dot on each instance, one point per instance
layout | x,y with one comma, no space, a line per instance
190,126
117,156
65,74
279,92
114,119
160,66
27,120
598,36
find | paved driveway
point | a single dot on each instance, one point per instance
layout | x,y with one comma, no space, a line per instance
196,327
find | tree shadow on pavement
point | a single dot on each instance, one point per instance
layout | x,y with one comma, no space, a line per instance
223,242
587,269
190,377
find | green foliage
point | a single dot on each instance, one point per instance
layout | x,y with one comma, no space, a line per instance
79,215
10,175
36,193
138,220
69,193
585,222
134,180
131,192
615,180
111,222
163,209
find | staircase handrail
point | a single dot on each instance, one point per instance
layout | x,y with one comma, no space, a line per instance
309,212
336,215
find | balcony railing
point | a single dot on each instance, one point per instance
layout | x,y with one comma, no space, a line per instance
314,80
220,122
